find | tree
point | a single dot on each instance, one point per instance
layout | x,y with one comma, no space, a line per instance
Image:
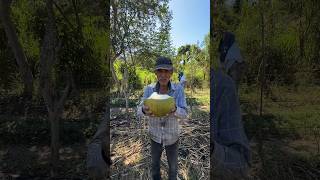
134,27
53,98
19,54
71,38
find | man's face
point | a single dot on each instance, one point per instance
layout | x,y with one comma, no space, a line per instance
163,76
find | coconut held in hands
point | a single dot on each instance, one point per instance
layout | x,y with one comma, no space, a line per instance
160,104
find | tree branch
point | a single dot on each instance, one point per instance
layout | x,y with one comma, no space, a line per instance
63,15
77,18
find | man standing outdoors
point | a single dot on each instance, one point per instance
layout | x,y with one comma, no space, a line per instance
230,151
164,131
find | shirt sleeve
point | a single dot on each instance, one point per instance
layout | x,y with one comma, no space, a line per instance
181,104
183,78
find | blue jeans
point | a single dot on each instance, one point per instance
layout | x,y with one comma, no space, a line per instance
172,157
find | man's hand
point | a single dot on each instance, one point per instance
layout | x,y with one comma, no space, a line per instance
172,111
147,111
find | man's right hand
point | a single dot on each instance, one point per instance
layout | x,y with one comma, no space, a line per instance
147,111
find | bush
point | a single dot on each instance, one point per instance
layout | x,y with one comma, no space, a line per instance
196,82
146,77
79,56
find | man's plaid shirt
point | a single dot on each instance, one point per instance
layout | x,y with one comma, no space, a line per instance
166,129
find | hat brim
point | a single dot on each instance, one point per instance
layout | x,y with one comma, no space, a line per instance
164,66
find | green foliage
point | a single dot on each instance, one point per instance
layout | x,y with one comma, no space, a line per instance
83,43
196,63
289,38
117,65
135,75
28,17
195,79
138,76
24,16
141,30
78,56
37,131
134,80
146,77
21,131
98,35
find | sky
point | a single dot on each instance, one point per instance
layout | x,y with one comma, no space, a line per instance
190,21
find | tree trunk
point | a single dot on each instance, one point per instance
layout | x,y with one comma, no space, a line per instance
18,52
106,140
113,73
262,83
54,119
53,98
301,32
262,79
126,91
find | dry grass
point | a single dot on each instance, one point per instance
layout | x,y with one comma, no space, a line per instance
130,148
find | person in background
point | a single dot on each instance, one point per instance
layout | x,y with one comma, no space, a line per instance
229,145
182,79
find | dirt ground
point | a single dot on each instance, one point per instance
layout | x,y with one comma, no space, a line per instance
130,148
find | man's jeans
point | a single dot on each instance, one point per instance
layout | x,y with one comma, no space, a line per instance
172,157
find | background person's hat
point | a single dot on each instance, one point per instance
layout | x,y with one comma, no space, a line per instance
164,63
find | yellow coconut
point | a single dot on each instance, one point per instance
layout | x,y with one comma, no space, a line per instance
160,104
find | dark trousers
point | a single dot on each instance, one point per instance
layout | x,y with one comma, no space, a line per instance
172,157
